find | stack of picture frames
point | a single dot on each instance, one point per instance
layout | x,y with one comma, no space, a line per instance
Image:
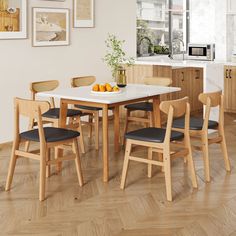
50,26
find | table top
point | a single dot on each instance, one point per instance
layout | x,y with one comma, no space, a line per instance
130,92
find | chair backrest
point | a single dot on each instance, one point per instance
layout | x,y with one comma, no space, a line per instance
212,99
82,81
215,98
31,109
179,106
175,109
162,81
43,86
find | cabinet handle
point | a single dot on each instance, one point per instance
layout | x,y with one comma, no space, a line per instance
230,74
197,74
226,74
183,76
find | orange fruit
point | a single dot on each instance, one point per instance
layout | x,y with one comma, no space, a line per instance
102,88
108,87
95,87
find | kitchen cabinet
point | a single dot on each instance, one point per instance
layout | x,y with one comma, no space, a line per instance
230,88
196,87
189,79
180,78
136,73
231,6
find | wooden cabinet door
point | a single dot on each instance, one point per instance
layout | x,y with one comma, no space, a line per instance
140,72
232,83
196,87
180,79
227,88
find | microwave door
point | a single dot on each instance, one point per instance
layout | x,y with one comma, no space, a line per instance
198,51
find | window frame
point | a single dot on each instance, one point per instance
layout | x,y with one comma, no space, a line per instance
186,18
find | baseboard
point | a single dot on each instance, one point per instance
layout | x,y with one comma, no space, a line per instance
5,145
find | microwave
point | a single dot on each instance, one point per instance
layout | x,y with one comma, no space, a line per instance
204,52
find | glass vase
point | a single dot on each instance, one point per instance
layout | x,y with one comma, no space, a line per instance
121,77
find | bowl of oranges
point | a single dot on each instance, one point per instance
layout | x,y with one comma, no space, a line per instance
105,89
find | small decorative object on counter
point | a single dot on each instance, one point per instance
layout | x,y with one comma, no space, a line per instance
116,59
121,77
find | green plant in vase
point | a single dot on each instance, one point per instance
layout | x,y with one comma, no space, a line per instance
116,59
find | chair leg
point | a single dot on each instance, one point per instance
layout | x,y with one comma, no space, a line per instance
90,126
189,159
225,151
12,165
48,167
149,165
205,149
58,153
42,175
126,125
150,116
27,143
96,126
167,167
81,137
147,116
77,162
126,164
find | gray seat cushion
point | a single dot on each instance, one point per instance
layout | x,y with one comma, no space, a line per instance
141,106
195,123
51,134
54,113
156,135
90,108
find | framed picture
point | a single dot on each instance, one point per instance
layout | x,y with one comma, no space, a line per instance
13,19
83,13
50,27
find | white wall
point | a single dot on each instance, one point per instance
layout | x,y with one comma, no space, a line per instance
208,24
20,63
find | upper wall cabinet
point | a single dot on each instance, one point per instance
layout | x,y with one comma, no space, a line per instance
231,6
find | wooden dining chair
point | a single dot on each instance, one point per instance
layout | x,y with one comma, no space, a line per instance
171,144
93,112
47,137
53,114
199,128
146,106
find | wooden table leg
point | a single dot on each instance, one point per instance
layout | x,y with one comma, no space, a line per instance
62,124
105,143
116,128
157,112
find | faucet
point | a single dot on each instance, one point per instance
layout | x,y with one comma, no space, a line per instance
149,44
172,51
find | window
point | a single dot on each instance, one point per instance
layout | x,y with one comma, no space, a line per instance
160,22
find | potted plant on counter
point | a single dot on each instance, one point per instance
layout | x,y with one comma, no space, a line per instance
116,59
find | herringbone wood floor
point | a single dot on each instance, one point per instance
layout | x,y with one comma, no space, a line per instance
99,209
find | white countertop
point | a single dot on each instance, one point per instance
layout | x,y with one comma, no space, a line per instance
130,92
165,61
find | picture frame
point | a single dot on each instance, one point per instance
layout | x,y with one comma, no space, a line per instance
83,13
13,19
50,26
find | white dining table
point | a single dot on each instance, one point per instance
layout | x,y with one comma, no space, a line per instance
130,94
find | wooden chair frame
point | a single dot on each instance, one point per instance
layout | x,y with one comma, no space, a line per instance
209,100
148,119
93,115
34,110
170,150
50,85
